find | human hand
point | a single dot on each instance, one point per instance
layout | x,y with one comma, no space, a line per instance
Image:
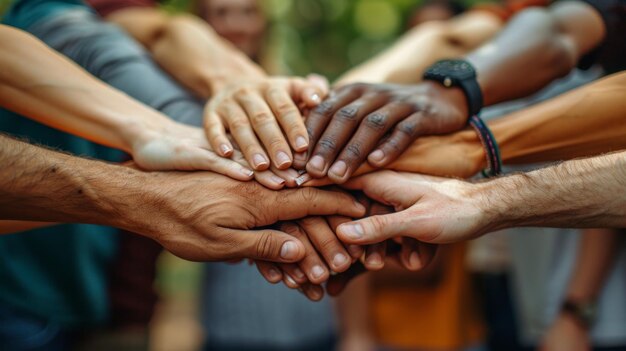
203,216
352,124
566,334
324,254
431,210
177,146
264,109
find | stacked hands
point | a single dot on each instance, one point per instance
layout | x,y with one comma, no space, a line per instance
287,131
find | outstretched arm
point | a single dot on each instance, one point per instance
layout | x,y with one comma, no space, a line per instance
377,123
256,109
584,122
196,215
187,48
575,194
43,85
406,61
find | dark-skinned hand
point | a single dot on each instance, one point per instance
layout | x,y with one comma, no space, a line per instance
376,122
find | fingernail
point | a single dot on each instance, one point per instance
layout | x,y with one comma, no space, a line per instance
290,281
282,158
247,172
317,162
278,180
339,259
316,98
315,293
374,259
298,273
355,250
289,250
303,179
376,156
301,143
338,169
353,231
317,271
414,259
225,149
259,160
274,275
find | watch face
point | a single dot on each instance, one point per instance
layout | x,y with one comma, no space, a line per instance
455,69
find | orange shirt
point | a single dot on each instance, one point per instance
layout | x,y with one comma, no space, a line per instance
444,315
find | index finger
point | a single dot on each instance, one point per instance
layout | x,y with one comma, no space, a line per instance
320,116
303,202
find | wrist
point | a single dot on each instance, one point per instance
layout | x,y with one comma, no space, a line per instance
473,149
234,70
451,95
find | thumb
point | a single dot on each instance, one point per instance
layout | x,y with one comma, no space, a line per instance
375,229
266,245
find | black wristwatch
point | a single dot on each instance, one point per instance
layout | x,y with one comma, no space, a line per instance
584,312
458,73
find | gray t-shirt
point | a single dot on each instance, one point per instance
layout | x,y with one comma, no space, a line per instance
240,308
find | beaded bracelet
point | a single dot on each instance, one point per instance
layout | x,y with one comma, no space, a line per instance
494,162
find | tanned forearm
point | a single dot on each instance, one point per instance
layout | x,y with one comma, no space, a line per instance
37,184
39,83
188,49
406,60
575,194
536,47
584,122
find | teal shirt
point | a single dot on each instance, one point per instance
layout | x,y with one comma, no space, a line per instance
57,273
24,13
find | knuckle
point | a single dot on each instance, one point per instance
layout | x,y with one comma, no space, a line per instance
409,128
238,124
290,228
376,120
347,114
378,222
308,194
309,221
292,125
265,245
276,143
328,243
250,149
262,117
328,144
286,108
353,151
243,92
393,145
325,108
310,132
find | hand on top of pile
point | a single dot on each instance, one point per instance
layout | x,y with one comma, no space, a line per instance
376,123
